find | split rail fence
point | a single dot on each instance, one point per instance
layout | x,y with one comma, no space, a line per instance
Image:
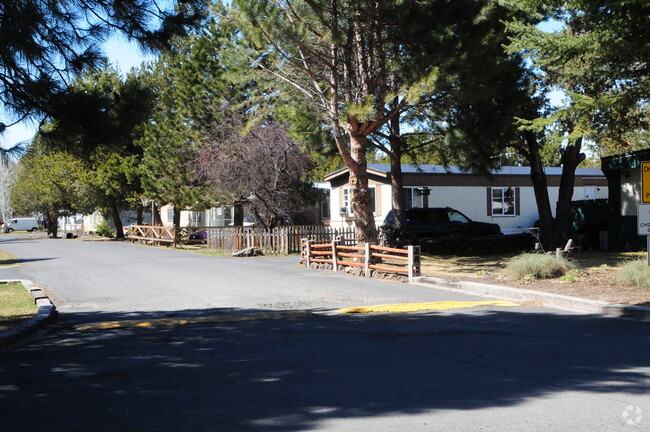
154,234
341,254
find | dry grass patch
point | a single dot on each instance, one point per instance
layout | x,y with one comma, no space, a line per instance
6,259
634,273
595,277
16,305
530,266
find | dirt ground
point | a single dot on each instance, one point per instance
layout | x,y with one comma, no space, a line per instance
594,279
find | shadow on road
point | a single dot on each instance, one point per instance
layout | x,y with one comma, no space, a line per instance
285,375
22,260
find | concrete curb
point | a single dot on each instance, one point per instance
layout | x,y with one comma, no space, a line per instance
551,300
216,319
46,314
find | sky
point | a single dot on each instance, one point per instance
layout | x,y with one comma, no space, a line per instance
122,53
126,55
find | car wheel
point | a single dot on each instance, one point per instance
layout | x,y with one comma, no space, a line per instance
10,230
34,229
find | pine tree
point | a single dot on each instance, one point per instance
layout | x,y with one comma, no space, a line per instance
49,183
191,95
600,59
338,57
100,129
45,44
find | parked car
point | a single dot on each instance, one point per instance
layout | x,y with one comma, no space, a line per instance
201,235
21,224
429,225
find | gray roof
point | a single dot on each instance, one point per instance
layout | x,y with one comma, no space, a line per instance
441,169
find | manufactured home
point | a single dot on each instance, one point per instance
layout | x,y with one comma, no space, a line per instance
624,172
505,196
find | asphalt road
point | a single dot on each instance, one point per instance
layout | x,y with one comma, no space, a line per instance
487,369
118,276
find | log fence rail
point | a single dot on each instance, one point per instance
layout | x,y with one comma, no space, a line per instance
370,257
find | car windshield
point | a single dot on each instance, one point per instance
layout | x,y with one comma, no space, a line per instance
455,216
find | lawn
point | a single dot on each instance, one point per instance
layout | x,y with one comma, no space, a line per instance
16,305
594,277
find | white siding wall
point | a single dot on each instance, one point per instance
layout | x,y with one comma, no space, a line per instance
386,202
166,214
630,191
470,200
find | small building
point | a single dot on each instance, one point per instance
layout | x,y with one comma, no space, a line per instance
505,197
623,172
212,217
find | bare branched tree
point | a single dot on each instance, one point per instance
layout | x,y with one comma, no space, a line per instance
263,167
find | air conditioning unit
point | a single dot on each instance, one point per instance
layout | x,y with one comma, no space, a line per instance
346,211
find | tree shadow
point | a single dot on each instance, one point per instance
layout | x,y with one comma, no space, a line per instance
14,261
286,375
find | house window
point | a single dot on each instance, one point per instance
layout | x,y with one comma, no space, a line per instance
325,204
504,201
346,207
170,214
412,198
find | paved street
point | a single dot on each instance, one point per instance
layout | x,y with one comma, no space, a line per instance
118,276
488,368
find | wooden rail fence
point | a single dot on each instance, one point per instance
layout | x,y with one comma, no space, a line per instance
368,257
279,240
154,234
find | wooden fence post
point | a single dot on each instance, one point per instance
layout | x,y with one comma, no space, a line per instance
334,257
413,262
307,253
366,260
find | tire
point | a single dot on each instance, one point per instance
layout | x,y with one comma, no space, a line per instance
10,230
34,229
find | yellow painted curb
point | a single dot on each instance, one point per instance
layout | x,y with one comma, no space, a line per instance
161,322
416,307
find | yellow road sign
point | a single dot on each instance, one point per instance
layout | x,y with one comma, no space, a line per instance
645,182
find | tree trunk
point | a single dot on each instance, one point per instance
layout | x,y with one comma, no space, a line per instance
397,191
155,217
554,231
238,214
177,217
363,218
540,187
138,217
117,221
52,224
571,158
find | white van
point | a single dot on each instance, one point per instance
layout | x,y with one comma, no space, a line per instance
21,224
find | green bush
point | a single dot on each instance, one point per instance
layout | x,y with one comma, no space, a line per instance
104,229
634,273
530,266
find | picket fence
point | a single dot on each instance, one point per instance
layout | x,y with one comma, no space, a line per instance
280,240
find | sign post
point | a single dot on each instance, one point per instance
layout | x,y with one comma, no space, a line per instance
645,198
643,224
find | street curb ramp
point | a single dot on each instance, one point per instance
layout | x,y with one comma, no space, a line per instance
46,314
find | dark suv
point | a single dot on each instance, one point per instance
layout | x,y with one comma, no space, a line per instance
432,225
